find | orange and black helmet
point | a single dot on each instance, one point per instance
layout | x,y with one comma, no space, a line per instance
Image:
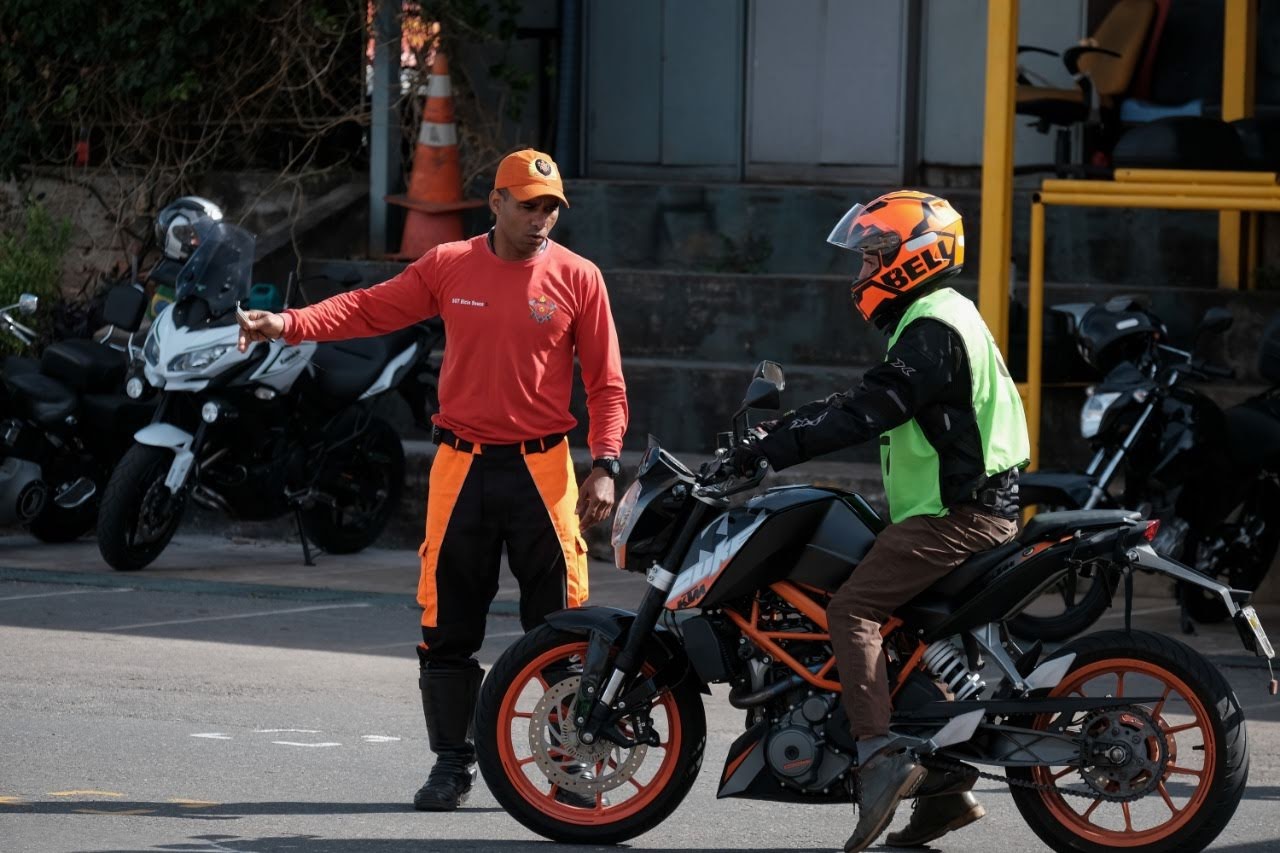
907,240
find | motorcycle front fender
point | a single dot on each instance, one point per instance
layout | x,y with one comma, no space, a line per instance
172,438
609,625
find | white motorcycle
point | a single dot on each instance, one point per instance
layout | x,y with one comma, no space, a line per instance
274,430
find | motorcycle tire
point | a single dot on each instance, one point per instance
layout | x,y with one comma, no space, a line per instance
1116,663
55,525
136,494
515,748
1074,619
373,468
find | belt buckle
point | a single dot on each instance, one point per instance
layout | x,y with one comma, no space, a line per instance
435,434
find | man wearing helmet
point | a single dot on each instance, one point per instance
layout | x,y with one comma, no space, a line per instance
952,439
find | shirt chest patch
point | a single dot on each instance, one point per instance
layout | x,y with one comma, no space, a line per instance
541,308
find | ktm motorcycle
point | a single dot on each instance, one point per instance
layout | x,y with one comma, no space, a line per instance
1118,740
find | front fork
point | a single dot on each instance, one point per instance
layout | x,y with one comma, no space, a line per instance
596,704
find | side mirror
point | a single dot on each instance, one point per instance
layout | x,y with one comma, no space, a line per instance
765,390
1216,320
762,394
28,302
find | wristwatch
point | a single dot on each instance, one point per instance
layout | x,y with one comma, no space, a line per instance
610,464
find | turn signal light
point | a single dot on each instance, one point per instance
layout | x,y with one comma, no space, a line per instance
1153,527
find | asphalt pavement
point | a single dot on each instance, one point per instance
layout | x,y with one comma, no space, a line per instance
232,700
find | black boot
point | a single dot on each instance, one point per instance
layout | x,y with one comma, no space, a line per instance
448,703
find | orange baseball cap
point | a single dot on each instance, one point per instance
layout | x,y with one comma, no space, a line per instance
528,174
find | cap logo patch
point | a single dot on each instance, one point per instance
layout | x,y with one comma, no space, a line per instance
543,167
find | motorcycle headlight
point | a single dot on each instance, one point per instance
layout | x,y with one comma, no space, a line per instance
198,359
1095,408
151,349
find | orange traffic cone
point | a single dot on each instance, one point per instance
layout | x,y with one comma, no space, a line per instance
434,198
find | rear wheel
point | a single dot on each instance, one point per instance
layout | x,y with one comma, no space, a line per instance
1187,752
531,757
1065,609
139,515
362,484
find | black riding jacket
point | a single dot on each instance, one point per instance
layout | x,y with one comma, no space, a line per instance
924,376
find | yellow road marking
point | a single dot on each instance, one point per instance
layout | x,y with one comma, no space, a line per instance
194,804
119,811
11,801
84,794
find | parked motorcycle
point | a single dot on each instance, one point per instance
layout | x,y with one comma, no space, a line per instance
260,434
1117,740
1212,477
66,421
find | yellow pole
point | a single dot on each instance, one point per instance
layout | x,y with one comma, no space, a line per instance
1238,52
1035,329
1182,176
997,167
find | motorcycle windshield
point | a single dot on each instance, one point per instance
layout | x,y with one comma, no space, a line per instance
220,270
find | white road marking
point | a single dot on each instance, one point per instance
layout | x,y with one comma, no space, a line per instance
213,736
287,731
237,616
378,738
294,743
55,594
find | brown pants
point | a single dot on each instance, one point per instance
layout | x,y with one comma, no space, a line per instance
907,558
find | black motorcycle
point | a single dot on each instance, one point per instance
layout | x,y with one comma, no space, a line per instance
1118,740
65,422
1212,477
274,431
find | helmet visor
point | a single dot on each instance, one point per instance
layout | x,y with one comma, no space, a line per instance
862,236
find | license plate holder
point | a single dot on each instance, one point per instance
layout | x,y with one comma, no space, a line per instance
1249,617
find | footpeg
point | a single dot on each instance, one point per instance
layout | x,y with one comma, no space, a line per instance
74,494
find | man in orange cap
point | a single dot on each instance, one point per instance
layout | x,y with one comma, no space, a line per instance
517,309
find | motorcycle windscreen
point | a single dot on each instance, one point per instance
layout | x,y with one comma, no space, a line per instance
220,270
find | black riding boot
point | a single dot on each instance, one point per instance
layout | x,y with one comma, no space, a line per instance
448,703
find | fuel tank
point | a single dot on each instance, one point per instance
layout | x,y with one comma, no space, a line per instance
803,534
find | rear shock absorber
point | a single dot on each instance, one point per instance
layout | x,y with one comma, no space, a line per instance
947,663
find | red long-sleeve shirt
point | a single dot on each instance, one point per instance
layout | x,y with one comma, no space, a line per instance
511,331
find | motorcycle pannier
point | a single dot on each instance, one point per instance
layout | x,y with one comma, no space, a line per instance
1269,352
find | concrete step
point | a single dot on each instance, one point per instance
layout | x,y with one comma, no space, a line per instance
781,229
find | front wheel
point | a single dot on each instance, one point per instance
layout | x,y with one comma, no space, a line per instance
566,790
1182,751
138,515
362,483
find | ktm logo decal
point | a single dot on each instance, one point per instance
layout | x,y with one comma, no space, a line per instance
542,308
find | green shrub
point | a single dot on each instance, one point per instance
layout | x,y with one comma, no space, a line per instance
31,262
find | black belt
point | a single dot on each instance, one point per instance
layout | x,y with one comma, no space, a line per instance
533,445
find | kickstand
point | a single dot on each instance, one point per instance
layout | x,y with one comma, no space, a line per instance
302,534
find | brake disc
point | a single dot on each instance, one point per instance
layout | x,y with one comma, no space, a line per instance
567,762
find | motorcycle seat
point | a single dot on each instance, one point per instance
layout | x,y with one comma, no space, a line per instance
1047,525
85,365
42,399
346,369
971,570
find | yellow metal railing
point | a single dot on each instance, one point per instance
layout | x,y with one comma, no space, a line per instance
1233,192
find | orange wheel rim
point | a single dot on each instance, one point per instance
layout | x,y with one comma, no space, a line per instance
634,795
1189,733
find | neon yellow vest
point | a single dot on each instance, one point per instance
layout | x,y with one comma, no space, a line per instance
908,461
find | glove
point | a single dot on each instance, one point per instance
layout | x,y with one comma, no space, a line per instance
745,461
